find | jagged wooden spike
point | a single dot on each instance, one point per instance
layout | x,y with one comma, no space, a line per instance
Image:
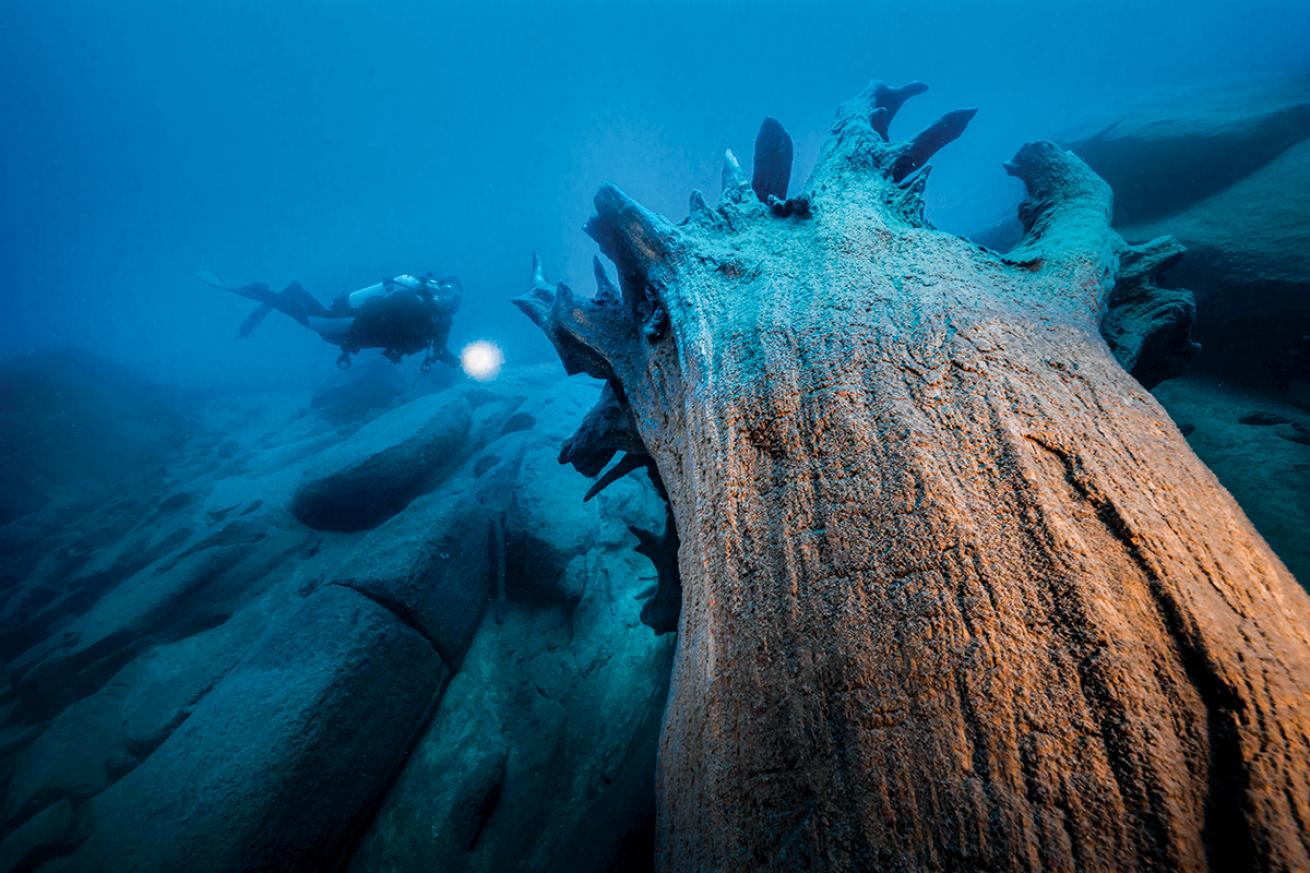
735,187
879,120
1149,328
857,153
647,541
660,613
628,233
773,155
1066,202
538,271
605,290
700,212
624,466
539,302
908,198
606,429
639,242
585,334
537,305
1144,262
888,101
929,141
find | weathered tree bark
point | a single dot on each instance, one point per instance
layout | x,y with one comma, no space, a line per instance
956,594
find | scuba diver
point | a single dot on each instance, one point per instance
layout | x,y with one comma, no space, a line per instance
401,315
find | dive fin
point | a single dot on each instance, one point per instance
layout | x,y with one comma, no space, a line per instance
254,319
256,291
213,280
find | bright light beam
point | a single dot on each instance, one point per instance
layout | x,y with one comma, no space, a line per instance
481,360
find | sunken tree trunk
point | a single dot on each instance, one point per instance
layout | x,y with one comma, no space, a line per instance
956,594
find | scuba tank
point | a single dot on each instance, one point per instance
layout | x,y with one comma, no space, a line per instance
356,299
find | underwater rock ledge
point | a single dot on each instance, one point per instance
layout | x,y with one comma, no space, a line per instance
197,678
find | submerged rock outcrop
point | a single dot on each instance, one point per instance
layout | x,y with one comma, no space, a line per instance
374,473
74,427
956,594
301,636
1224,167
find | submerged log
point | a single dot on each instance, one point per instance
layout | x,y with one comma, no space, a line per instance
956,594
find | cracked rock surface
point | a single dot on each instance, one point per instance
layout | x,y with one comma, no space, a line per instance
197,678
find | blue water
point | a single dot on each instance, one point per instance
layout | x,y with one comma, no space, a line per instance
257,613
338,142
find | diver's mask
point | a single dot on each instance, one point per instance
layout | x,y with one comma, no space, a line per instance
447,290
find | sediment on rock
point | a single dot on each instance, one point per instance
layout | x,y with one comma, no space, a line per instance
191,653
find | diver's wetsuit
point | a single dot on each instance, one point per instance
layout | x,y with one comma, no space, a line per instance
401,316
401,322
